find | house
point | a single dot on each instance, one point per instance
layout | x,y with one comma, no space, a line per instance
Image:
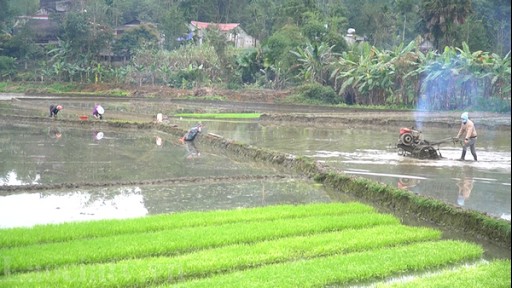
234,33
109,55
45,28
126,26
352,38
42,26
55,5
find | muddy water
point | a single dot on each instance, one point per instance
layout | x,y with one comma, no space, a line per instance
52,156
483,186
57,206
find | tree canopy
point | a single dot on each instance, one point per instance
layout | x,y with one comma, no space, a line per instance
298,41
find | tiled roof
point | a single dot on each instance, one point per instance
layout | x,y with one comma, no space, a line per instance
222,26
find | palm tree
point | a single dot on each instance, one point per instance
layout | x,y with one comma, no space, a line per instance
440,18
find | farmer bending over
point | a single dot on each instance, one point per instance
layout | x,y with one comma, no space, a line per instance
54,109
98,111
192,133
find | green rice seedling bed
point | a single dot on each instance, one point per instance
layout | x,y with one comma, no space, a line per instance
226,258
277,246
102,228
494,274
177,241
343,269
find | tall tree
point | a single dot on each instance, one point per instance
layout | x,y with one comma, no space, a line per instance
495,17
5,13
76,30
292,11
199,10
174,26
406,11
440,18
259,18
376,20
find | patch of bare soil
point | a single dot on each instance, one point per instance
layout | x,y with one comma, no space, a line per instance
160,91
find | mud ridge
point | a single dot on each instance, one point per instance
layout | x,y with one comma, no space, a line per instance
5,190
324,116
347,120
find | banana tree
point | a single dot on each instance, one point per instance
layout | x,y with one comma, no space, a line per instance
346,73
404,60
314,62
501,78
491,71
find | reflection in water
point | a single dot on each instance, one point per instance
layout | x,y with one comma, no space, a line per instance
158,141
465,184
97,135
11,178
192,151
407,183
230,195
123,155
54,133
28,209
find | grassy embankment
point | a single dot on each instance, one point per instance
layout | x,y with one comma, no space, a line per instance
58,88
276,246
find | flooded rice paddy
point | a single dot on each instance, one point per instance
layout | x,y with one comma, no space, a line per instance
35,155
52,154
368,152
57,206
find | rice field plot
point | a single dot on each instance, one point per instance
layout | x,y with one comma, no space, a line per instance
313,245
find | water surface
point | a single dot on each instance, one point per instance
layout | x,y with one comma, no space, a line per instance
56,206
371,153
38,154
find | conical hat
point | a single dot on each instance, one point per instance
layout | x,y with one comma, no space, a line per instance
100,110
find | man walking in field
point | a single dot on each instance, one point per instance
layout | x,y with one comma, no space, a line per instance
467,129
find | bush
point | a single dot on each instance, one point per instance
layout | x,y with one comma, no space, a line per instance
493,104
188,78
318,93
7,67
